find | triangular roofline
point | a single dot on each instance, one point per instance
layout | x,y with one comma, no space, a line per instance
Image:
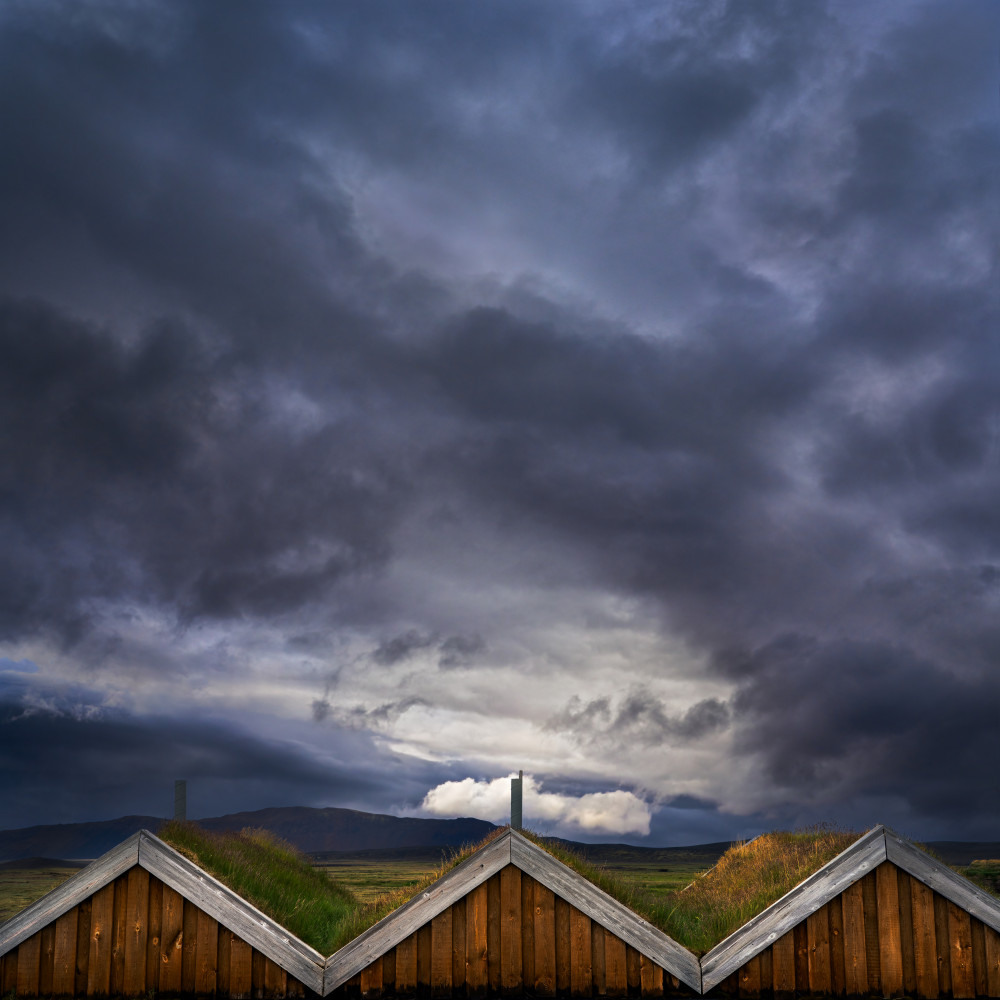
863,856
322,976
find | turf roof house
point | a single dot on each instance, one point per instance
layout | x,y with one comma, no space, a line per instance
882,918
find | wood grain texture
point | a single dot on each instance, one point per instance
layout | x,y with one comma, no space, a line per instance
171,940
510,929
835,916
979,956
615,971
890,948
749,978
606,911
855,963
119,920
240,969
99,959
562,948
924,939
766,972
783,964
258,974
10,972
29,953
222,904
527,929
224,959
82,946
795,906
389,972
545,940
406,965
652,977
963,980
869,894
493,917
906,932
275,979
801,958
581,954
458,945
63,981
942,879
136,918
189,953
633,970
477,941
371,979
387,933
818,938
598,971
153,934
47,954
207,953
991,952
441,954
941,938
424,958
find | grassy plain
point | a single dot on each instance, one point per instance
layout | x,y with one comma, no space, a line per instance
21,886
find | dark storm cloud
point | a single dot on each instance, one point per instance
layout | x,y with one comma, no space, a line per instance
223,397
640,719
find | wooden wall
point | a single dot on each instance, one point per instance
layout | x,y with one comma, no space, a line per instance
512,936
886,935
136,935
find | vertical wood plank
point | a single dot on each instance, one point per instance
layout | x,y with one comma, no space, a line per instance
545,941
963,980
979,957
476,940
64,954
580,954
406,965
189,949
510,929
441,954
942,937
818,937
352,988
424,958
388,972
730,986
276,979
562,948
633,971
652,977
99,960
119,921
766,975
749,978
82,947
783,965
258,974
801,957
171,941
493,921
889,947
294,988
10,971
991,949
527,931
240,973
615,973
599,973
207,953
838,972
136,921
924,939
855,965
224,959
155,917
371,978
906,932
46,958
457,948
29,953
869,894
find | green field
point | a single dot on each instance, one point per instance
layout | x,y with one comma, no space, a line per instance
21,886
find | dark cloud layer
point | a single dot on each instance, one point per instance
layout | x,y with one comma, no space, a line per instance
705,296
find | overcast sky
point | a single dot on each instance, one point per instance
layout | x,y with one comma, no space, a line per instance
393,396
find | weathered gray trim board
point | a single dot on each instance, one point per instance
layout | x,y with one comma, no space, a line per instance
807,897
605,910
943,880
73,891
401,923
232,911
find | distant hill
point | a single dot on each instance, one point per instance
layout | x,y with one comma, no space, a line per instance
311,830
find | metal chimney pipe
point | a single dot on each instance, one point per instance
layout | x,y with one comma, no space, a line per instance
516,789
180,799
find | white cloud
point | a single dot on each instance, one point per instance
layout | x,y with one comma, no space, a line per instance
611,812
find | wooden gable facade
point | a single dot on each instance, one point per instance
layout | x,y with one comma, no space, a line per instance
881,919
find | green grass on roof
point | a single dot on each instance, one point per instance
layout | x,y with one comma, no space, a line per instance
281,882
747,879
